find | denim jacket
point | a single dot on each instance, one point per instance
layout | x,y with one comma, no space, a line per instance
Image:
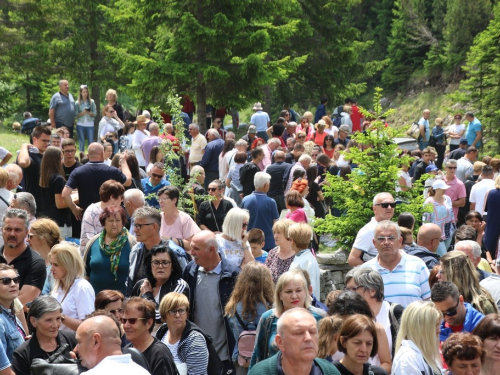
80,107
9,334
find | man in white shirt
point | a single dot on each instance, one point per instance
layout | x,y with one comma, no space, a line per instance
198,144
481,189
465,164
99,347
261,121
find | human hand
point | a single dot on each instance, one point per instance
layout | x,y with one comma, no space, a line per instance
146,287
482,226
78,212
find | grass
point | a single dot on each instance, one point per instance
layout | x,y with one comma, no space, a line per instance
12,141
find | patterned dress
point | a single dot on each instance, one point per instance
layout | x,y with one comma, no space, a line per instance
276,265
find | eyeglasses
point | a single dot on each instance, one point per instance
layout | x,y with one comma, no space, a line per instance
245,225
383,239
458,118
130,320
451,167
353,289
139,226
162,263
386,205
212,189
119,311
157,175
163,198
301,136
9,280
30,235
83,86
453,311
69,151
180,311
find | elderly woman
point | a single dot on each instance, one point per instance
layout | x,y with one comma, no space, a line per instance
488,330
44,320
281,257
174,223
233,241
463,353
163,275
211,213
138,322
106,255
185,340
71,290
111,194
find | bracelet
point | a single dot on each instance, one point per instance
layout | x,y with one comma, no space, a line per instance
63,317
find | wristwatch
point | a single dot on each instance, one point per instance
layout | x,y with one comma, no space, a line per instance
63,317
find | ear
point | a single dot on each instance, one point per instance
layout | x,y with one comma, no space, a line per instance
96,341
33,321
279,342
310,290
461,299
263,244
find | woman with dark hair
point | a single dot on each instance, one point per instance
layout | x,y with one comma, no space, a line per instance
315,196
488,330
306,127
44,321
163,275
133,165
329,146
155,156
211,213
85,113
407,220
475,220
463,353
225,157
125,142
52,183
295,205
110,301
110,122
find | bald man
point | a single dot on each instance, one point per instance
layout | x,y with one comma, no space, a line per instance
428,239
277,170
99,348
425,130
89,178
15,176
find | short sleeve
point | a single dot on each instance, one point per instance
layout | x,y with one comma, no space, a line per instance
425,290
189,227
461,192
54,101
71,183
59,184
3,152
36,274
85,298
4,360
117,175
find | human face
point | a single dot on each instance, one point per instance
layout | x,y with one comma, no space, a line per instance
441,275
300,338
69,153
359,347
47,325
113,225
193,131
427,157
461,367
427,114
491,347
14,232
64,87
314,155
200,178
110,112
115,308
352,286
177,322
458,120
217,123
387,243
455,308
58,271
279,238
451,170
138,330
382,213
144,229
156,176
35,241
199,252
293,295
166,204
289,144
10,291
161,265
108,151
214,191
42,143
56,142
85,93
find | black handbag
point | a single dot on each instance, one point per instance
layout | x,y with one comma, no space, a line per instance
57,364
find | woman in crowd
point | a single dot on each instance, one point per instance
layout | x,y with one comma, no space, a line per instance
233,177
463,354
156,155
71,290
52,183
329,146
370,285
85,113
174,223
320,134
106,255
404,183
233,241
44,321
456,131
315,196
137,173
291,291
12,334
442,213
475,220
125,142
281,257
300,137
111,301
306,127
112,99
328,332
163,275
110,122
225,157
257,142
252,296
211,213
111,194
301,185
488,330
186,342
417,345
357,339
43,235
138,322
294,203
457,268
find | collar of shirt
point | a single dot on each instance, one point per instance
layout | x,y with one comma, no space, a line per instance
217,270
451,182
401,263
259,193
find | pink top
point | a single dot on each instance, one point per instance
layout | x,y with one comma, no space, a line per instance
299,216
183,227
309,132
455,192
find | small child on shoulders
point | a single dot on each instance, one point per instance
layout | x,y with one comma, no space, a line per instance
256,239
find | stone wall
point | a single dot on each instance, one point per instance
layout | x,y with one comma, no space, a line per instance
333,268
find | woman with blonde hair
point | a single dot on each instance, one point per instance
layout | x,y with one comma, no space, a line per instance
458,268
111,98
280,258
328,331
417,344
71,290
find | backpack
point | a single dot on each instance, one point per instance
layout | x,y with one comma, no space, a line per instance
337,120
245,343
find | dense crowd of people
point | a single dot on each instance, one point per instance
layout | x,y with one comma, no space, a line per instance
103,271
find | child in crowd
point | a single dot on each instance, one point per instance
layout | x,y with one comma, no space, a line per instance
108,151
256,240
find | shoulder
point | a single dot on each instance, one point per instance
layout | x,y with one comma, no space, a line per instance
326,367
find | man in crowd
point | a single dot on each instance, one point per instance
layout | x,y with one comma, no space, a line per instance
428,238
343,138
132,200
363,248
459,316
425,130
474,133
293,156
211,280
465,164
473,252
210,159
456,190
250,136
460,151
89,178
153,183
28,263
303,163
70,163
424,163
198,144
248,171
277,171
169,134
272,145
149,143
62,108
289,131
263,210
481,189
55,140
261,121
406,277
30,159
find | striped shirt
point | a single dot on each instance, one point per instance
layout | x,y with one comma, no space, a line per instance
192,351
407,282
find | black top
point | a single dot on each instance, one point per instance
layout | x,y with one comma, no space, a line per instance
277,171
68,170
159,359
31,180
119,110
30,266
207,210
456,154
344,142
289,158
247,173
376,370
60,215
29,350
419,171
312,198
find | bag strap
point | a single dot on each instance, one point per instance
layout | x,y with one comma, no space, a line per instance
4,201
57,353
245,327
393,316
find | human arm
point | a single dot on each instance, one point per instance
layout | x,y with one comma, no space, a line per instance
479,136
52,116
66,196
247,252
355,257
402,184
23,159
472,206
196,354
383,352
28,293
119,120
321,197
6,158
459,202
269,131
421,126
126,171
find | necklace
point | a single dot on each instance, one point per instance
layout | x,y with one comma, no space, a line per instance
51,352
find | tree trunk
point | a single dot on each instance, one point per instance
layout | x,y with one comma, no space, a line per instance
201,102
94,67
267,100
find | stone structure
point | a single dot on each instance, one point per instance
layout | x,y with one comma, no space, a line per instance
333,268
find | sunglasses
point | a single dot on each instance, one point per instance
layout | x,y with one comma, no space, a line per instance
453,311
9,280
386,205
130,320
30,236
119,311
451,167
301,136
157,175
212,189
180,311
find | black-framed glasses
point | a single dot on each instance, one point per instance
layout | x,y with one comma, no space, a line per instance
157,175
212,189
353,289
386,205
130,320
180,311
119,311
139,226
69,151
161,263
453,311
9,280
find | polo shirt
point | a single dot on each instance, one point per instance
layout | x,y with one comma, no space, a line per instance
263,211
364,238
455,191
30,266
407,282
198,144
89,178
150,189
464,169
473,127
210,159
64,107
260,119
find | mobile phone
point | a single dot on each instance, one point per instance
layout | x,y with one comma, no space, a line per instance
87,109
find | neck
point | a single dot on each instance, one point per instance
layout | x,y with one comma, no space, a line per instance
490,367
6,303
68,163
12,253
213,264
174,334
110,237
171,213
286,249
390,263
46,343
44,252
450,177
143,343
291,367
354,367
152,241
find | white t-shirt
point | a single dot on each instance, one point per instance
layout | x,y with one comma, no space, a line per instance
117,364
307,262
3,152
454,128
364,238
137,139
383,319
478,193
232,251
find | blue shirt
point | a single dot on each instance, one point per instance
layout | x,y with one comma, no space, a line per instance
262,258
210,159
10,336
260,119
473,127
320,112
64,108
425,123
150,189
4,361
263,212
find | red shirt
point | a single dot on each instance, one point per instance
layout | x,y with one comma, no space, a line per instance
356,119
176,146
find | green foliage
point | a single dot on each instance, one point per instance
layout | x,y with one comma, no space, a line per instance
377,171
